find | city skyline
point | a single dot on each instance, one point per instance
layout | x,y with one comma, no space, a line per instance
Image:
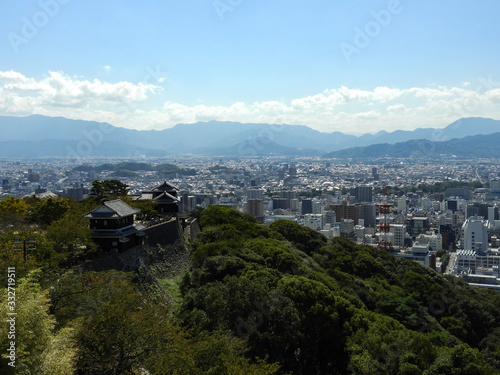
356,68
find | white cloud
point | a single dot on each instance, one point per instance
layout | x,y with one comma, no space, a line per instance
396,108
346,109
60,90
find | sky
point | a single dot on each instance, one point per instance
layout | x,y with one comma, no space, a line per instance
352,66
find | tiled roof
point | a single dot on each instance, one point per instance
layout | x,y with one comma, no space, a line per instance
121,208
114,208
166,186
166,197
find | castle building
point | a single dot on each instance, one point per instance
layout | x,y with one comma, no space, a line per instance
165,196
113,226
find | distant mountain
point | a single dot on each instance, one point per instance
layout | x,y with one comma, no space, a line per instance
459,129
213,137
260,147
72,149
482,146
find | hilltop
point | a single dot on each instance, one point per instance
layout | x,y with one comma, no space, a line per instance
256,299
322,307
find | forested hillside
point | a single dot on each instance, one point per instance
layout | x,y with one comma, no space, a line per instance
73,322
321,307
258,299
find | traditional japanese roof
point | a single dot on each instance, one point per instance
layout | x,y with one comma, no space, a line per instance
166,186
112,209
166,198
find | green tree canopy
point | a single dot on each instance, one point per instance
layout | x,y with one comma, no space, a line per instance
48,210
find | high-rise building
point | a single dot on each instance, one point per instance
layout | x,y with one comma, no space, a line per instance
255,194
493,215
288,194
314,221
436,242
347,229
346,211
363,193
417,225
447,235
317,207
477,209
255,207
330,217
368,212
399,234
280,203
306,207
191,203
495,186
401,204
77,193
360,231
294,204
475,232
452,204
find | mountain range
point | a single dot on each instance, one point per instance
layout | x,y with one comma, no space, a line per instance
37,136
477,146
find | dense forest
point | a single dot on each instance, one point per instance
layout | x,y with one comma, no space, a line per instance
257,299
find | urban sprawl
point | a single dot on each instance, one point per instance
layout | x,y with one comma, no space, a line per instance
443,215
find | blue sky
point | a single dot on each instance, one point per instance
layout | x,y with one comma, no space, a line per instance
357,66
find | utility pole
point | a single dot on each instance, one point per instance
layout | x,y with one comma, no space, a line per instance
31,247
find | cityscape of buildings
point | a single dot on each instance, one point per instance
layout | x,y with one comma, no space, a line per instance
456,231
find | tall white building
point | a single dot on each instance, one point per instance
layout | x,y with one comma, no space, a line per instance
491,216
436,242
360,232
314,221
401,204
495,186
317,207
399,231
347,227
330,217
475,232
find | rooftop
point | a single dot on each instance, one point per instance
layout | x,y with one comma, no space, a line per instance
114,208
